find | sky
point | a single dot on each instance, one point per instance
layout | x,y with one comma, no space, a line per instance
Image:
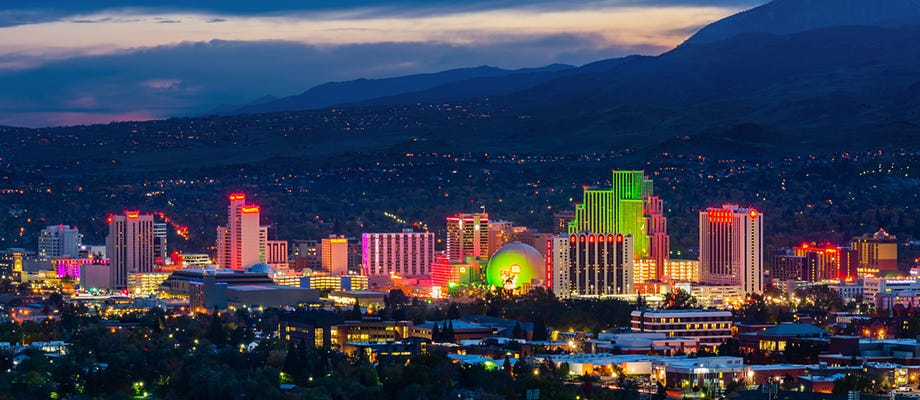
69,62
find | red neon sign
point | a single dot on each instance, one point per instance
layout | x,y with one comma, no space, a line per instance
249,210
133,214
237,196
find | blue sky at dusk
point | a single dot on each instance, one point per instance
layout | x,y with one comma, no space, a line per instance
76,61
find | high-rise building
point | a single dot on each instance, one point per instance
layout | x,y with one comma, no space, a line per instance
467,236
877,254
616,210
241,244
59,241
592,265
129,246
334,253
786,266
500,234
813,262
407,254
629,207
731,243
160,251
659,243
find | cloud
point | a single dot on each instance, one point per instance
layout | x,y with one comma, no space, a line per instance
80,61
192,78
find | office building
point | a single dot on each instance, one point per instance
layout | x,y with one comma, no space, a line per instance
241,243
160,252
731,242
306,255
129,246
467,236
712,328
59,241
406,254
146,284
334,255
592,265
877,254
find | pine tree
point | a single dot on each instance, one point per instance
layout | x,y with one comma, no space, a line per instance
435,333
539,330
516,333
450,333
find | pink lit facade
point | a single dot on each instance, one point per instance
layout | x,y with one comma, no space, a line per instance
404,254
241,244
731,247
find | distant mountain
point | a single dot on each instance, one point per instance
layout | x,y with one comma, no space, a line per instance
337,93
782,17
836,87
484,87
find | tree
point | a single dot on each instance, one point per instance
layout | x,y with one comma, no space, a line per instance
517,332
435,333
539,330
679,300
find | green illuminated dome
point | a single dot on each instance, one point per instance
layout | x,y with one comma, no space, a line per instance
514,265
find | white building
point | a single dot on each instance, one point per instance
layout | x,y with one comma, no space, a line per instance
276,254
711,328
407,254
59,241
159,240
590,265
241,244
129,246
731,243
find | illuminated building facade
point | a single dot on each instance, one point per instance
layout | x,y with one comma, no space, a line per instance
682,270
629,208
129,246
71,266
11,264
877,254
276,254
160,251
712,328
467,236
370,330
516,266
146,284
334,255
659,243
500,234
59,241
346,283
592,265
731,246
446,274
406,254
241,243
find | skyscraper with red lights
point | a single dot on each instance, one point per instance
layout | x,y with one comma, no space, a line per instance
731,243
129,246
241,243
